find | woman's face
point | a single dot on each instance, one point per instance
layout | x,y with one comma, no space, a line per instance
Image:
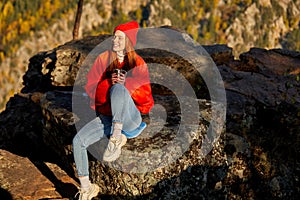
119,41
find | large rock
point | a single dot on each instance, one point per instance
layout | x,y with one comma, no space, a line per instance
274,61
254,157
17,179
146,157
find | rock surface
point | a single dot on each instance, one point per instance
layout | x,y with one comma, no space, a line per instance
26,179
255,156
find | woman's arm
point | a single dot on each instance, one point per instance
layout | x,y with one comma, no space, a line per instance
138,85
95,80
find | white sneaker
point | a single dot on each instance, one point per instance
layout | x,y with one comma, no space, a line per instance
113,150
89,193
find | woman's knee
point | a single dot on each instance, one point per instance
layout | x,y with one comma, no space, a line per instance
77,141
117,88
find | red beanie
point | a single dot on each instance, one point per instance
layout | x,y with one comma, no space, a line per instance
130,29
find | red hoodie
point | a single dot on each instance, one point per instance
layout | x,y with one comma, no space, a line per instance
137,83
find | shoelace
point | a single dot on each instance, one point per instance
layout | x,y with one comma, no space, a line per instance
114,141
80,191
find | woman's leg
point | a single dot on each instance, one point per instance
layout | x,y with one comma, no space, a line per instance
125,116
89,134
123,108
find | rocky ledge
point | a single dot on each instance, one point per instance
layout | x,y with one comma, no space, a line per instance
253,156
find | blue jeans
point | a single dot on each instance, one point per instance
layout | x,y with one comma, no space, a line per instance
123,110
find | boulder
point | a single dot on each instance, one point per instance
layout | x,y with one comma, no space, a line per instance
14,177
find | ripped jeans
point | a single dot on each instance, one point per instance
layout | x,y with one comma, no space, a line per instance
123,110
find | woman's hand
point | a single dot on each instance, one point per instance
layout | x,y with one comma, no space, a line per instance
115,78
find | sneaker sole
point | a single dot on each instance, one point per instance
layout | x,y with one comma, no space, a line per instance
124,140
96,191
114,157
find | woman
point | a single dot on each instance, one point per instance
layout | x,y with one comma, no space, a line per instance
119,88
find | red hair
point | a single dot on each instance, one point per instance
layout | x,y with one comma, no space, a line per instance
129,58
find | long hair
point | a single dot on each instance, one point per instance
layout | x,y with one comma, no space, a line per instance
129,58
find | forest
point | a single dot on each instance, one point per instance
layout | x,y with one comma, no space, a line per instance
20,18
206,21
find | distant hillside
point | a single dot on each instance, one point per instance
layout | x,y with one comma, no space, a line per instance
239,23
28,27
